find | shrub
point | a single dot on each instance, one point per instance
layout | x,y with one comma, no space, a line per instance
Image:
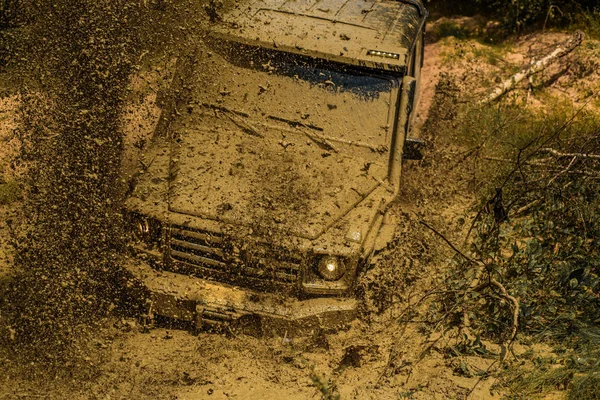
546,254
518,14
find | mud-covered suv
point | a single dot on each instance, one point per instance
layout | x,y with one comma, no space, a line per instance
275,162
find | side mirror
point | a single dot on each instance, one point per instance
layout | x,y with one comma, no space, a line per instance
413,149
407,95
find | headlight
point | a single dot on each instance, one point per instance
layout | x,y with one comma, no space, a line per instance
147,230
331,268
142,228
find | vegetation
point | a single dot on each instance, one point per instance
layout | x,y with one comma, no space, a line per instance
534,240
519,16
515,15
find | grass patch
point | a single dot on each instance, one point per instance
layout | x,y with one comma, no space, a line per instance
476,51
585,387
576,371
492,55
491,138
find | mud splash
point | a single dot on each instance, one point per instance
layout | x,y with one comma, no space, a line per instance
71,149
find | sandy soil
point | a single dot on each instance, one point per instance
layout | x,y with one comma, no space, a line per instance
383,359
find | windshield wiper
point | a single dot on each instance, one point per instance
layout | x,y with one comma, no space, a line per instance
318,140
234,116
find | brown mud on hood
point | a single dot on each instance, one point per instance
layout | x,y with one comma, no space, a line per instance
268,175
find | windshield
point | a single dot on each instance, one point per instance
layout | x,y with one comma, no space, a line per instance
327,102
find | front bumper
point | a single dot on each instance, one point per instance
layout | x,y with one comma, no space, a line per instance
210,304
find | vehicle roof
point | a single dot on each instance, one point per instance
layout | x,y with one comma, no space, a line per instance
373,33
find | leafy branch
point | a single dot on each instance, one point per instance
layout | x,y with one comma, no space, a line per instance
489,281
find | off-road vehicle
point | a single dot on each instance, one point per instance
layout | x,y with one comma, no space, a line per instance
274,164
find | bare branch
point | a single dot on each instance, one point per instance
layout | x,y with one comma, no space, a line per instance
542,165
563,171
509,161
449,243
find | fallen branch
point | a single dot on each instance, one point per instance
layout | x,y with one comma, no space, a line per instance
517,168
509,161
526,207
564,171
544,166
535,67
558,154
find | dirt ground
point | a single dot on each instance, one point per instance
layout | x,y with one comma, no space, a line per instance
386,359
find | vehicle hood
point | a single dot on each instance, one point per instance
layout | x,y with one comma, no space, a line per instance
266,178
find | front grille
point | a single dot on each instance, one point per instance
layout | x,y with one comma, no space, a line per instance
217,256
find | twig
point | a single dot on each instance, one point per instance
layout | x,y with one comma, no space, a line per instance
552,7
484,375
245,126
563,171
449,243
390,358
481,209
465,322
146,167
480,263
547,167
142,54
526,207
475,149
509,161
